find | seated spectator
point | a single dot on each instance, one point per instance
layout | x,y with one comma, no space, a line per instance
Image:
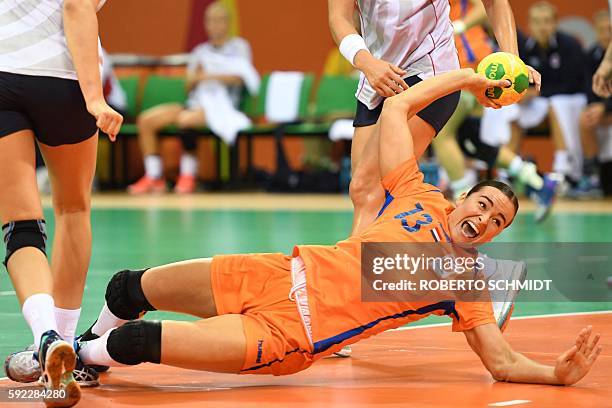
596,119
561,61
216,74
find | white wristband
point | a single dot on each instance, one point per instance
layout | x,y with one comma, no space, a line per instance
351,45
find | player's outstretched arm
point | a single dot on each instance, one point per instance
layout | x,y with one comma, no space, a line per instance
396,144
505,364
81,30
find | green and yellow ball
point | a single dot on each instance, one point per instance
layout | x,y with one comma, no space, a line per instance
503,65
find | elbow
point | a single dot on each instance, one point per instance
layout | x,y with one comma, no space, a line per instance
72,7
500,372
501,367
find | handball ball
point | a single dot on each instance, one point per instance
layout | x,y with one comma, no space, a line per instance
503,65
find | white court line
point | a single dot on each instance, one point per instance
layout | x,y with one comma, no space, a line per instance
7,293
508,403
427,326
3,378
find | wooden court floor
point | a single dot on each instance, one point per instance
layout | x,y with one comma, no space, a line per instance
417,367
423,367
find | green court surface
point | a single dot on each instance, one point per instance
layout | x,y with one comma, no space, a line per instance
137,238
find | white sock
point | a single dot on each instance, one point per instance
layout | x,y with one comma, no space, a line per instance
189,164
95,352
39,312
153,166
515,166
106,321
67,320
526,172
561,163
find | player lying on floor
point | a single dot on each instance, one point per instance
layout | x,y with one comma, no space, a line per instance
277,314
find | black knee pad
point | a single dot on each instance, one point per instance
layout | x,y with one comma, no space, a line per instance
22,234
124,295
138,341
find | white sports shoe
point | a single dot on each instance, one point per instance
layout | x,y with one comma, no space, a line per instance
345,352
23,366
503,269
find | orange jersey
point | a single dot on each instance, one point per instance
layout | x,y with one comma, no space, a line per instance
474,44
413,212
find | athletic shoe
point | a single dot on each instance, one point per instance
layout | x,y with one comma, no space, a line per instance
57,360
344,352
89,336
587,188
86,376
185,184
503,301
23,367
147,185
545,197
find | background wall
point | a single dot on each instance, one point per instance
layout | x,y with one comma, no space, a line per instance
284,34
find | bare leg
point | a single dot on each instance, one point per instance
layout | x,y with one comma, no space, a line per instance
190,118
219,341
590,146
556,131
515,139
71,170
505,157
445,144
183,287
365,190
151,121
28,267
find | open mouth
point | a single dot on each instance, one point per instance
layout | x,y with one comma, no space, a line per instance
469,229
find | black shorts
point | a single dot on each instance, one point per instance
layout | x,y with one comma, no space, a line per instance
436,114
53,108
468,137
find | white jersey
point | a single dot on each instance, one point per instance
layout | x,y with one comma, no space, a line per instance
203,56
415,35
32,40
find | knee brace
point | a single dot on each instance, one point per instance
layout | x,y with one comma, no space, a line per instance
138,341
124,295
22,234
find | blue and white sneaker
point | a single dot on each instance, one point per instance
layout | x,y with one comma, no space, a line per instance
545,197
57,360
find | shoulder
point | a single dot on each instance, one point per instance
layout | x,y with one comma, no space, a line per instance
200,48
239,43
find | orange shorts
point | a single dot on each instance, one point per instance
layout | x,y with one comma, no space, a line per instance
257,287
